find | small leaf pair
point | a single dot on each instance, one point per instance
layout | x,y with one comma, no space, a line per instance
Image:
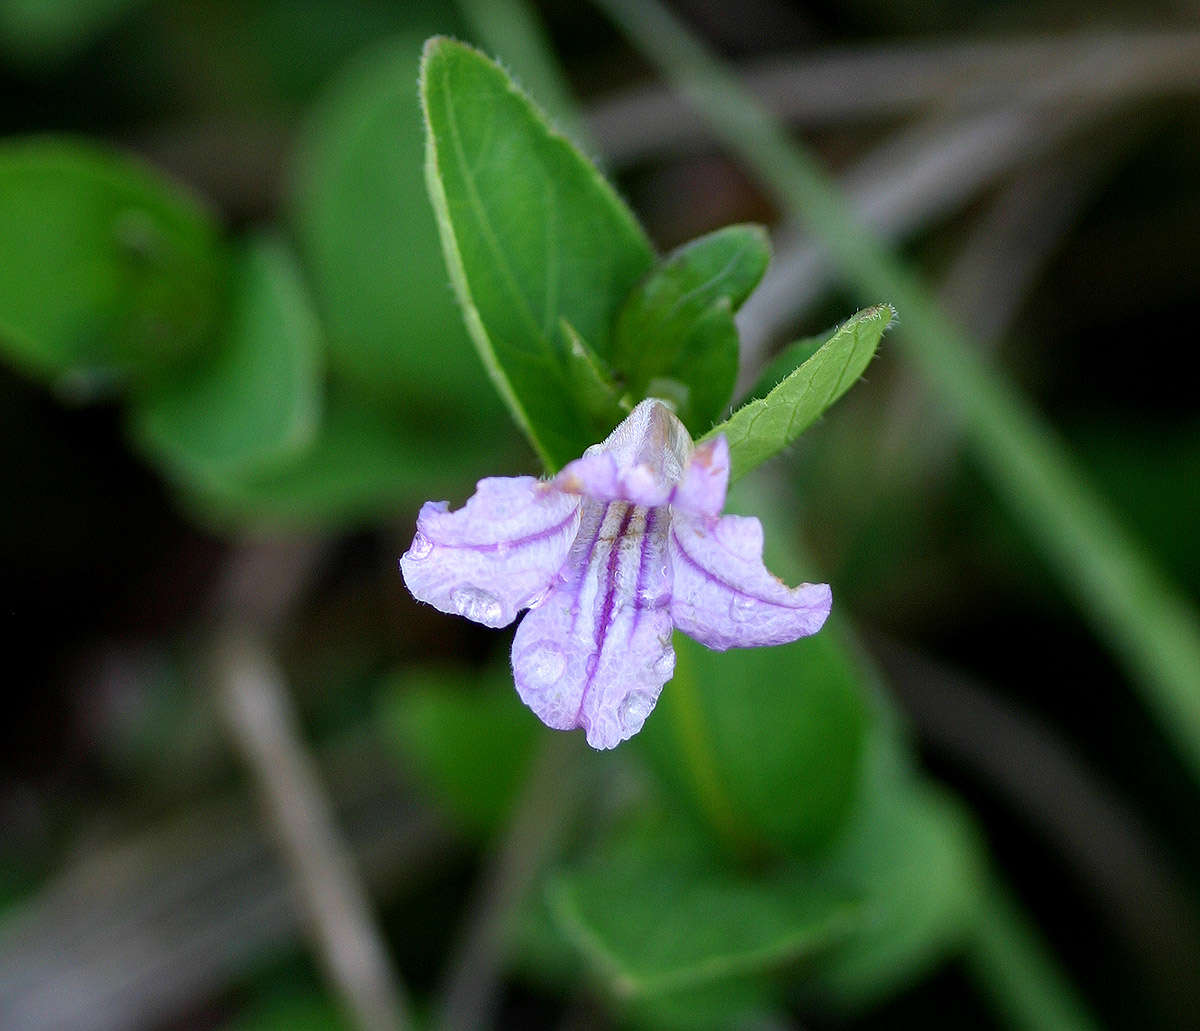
574,319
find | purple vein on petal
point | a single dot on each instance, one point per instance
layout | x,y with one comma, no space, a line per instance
708,575
582,568
610,594
508,545
647,532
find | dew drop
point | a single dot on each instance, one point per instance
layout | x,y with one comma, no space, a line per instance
593,661
540,597
653,596
741,609
477,605
422,547
664,665
634,709
544,663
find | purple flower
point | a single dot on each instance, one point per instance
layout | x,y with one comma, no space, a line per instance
624,544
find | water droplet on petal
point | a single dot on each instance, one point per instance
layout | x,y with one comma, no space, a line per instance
422,548
653,596
633,710
664,665
741,609
544,664
593,661
477,605
540,597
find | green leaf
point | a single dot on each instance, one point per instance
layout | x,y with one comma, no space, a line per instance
363,464
735,732
120,273
765,426
675,337
368,235
652,915
915,858
740,1002
591,382
256,401
471,743
532,235
785,363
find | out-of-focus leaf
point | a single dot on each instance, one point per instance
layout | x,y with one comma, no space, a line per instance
111,271
256,402
532,235
369,238
35,31
763,744
675,336
652,914
469,742
742,1002
737,733
912,854
362,466
334,32
765,426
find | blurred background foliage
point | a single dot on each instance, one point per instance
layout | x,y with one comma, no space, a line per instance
227,333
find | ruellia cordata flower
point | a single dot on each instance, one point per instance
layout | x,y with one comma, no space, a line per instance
622,546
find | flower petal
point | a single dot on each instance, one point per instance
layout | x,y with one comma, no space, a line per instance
596,653
724,597
494,556
705,479
641,461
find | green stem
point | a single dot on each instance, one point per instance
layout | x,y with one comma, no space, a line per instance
1147,623
1010,963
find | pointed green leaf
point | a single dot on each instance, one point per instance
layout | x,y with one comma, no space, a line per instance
256,401
532,234
765,426
112,272
675,335
785,363
652,914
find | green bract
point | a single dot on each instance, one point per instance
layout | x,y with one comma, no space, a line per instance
763,427
675,336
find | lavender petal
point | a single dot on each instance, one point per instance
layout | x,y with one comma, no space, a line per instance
494,556
596,653
641,461
705,480
724,597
